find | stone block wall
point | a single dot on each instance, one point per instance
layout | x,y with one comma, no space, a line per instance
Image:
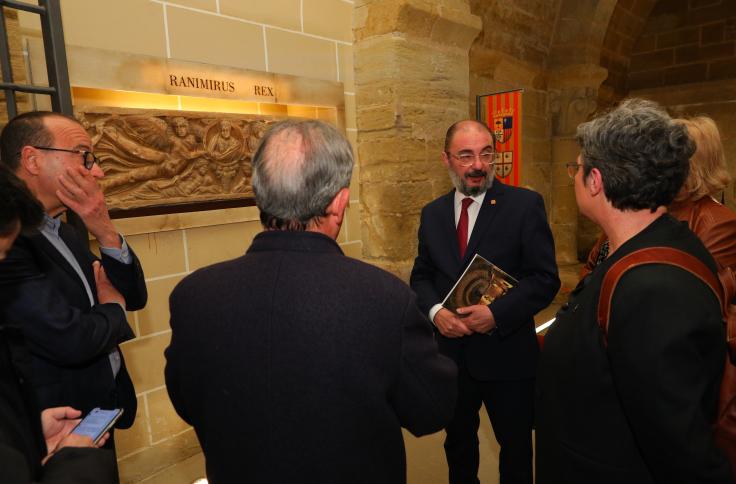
627,21
411,77
685,41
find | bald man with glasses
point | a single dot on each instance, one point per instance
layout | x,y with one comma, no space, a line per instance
493,345
70,305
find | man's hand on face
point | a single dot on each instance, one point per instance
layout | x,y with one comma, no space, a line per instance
450,325
106,292
477,318
80,192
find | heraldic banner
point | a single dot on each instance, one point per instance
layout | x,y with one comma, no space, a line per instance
502,113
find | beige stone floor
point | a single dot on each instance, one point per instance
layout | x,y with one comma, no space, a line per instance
425,456
425,460
184,472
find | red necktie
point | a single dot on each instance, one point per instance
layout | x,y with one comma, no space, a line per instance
462,227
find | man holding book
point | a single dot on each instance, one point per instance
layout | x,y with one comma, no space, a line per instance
494,345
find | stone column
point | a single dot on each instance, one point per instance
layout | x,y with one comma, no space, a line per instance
573,93
411,82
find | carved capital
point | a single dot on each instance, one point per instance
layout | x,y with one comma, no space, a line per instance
570,107
573,94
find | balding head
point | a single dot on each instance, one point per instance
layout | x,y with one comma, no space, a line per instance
298,169
468,156
27,129
466,125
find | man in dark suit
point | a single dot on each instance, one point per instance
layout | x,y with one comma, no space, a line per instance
36,446
493,345
69,306
293,362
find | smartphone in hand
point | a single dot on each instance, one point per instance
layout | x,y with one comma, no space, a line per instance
97,422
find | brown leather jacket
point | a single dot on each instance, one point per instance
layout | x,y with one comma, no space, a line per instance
714,224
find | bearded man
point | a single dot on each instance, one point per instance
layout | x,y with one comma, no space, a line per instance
494,345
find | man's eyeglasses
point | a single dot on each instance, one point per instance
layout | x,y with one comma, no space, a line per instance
572,168
467,159
89,158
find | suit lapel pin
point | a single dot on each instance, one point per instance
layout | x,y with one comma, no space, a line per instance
493,201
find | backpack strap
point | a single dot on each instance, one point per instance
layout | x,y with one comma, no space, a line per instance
652,255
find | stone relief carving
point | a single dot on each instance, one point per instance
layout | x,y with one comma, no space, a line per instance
153,158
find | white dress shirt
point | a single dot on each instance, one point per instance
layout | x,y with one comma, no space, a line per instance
473,210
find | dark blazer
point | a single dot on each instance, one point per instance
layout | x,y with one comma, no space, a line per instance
640,409
297,364
512,232
41,294
22,446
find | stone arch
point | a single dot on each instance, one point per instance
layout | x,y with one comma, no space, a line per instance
574,76
579,31
627,23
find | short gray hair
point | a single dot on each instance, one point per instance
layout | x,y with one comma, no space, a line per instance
293,189
642,154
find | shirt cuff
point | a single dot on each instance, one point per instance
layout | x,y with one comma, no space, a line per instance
121,255
433,312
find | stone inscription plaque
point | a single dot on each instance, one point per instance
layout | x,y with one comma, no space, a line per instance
158,158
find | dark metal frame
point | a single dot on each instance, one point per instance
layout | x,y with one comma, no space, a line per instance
56,66
58,89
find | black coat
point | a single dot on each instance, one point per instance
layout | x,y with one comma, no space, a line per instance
638,411
69,340
296,364
512,232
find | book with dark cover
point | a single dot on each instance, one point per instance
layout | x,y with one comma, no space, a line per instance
481,283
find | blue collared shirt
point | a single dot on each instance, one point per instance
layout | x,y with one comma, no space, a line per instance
50,229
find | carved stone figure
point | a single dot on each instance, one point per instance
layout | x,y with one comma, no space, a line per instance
162,158
181,149
225,147
95,131
195,180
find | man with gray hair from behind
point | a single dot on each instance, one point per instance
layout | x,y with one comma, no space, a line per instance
295,363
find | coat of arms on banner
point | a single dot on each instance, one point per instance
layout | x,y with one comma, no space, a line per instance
504,162
503,127
501,112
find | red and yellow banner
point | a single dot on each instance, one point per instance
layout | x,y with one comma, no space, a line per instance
502,113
